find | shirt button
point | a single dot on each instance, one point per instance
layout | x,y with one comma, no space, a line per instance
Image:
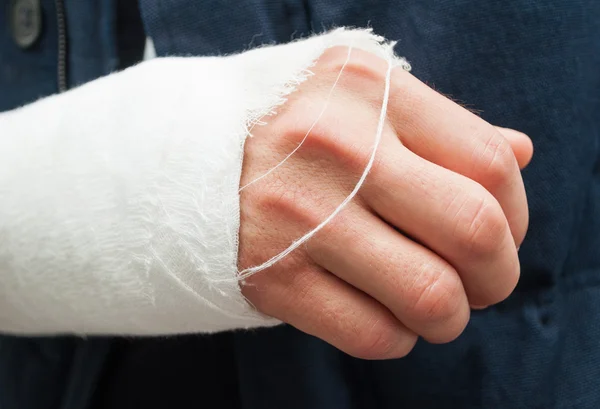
26,22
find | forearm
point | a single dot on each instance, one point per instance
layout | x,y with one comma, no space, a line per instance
119,205
119,208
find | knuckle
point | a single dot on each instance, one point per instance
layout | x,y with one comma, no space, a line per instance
278,197
334,55
379,342
351,153
322,136
373,345
290,200
480,225
362,72
436,295
360,65
293,128
496,159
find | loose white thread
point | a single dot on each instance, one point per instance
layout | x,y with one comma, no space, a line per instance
311,127
248,272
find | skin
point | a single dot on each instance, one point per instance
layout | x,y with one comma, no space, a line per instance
432,233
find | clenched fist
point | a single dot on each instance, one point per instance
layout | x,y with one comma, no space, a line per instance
434,229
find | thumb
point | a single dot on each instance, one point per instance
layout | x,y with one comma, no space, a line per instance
521,145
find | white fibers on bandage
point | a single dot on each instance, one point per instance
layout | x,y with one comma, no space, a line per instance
101,234
248,272
325,105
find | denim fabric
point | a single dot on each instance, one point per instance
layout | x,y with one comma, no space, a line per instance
531,65
27,75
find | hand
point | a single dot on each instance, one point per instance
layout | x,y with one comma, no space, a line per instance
434,229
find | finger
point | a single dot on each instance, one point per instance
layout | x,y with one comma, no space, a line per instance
520,143
441,131
422,290
450,214
322,305
447,134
